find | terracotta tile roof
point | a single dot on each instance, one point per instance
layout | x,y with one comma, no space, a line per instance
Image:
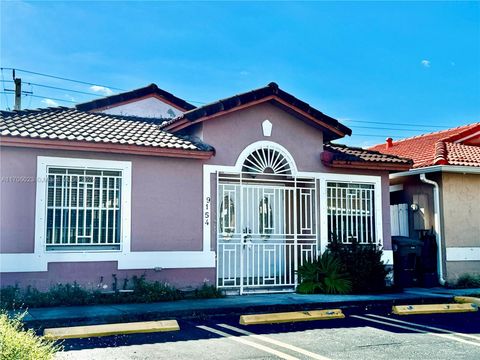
438,148
151,89
74,125
342,155
332,128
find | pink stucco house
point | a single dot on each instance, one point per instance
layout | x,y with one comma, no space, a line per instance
238,192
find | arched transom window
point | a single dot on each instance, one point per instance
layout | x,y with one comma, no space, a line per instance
267,160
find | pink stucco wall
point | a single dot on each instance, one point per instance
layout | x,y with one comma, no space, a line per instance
232,133
166,200
92,274
166,195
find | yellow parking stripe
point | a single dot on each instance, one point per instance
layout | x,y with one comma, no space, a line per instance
433,309
111,329
291,317
467,299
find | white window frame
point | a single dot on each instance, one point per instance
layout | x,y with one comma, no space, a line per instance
360,221
125,258
44,162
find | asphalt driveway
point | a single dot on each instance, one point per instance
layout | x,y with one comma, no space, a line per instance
359,336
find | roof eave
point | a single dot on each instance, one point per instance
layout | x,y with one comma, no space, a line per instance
368,165
334,132
438,168
11,141
135,95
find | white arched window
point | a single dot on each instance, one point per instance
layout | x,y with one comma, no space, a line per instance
267,160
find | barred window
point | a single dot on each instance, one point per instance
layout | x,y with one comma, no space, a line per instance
351,212
83,209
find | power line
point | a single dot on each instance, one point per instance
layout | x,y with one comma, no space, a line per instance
62,78
78,91
6,98
402,124
385,128
41,97
48,97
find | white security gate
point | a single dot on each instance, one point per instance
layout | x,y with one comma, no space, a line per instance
267,227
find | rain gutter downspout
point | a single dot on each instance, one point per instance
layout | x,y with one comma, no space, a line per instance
438,228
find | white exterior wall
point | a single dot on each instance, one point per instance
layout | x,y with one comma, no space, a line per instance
149,107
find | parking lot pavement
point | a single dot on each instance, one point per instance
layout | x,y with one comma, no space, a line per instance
359,336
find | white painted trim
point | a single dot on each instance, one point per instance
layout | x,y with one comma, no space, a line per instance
398,187
129,261
267,128
43,162
264,143
463,253
441,168
126,259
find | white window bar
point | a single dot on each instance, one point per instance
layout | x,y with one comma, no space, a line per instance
75,207
351,212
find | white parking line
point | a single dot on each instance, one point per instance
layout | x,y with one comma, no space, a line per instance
275,342
427,327
249,343
416,330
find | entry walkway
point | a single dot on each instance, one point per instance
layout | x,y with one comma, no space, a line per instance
230,305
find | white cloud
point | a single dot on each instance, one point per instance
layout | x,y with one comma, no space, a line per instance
49,102
425,63
244,73
102,90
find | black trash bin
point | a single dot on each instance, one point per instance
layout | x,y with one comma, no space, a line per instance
406,261
429,260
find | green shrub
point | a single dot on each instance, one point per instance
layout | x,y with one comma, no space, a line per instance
12,297
324,275
468,281
146,291
19,344
142,291
207,292
363,263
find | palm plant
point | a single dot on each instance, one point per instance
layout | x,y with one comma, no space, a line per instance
325,275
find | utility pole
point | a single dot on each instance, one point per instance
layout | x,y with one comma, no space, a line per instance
18,93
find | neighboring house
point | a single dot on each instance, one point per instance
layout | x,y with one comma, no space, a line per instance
442,191
238,192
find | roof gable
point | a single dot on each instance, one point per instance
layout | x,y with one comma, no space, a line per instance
150,91
271,93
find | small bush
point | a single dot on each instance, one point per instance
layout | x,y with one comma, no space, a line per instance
363,263
19,344
147,291
466,281
143,291
325,275
207,292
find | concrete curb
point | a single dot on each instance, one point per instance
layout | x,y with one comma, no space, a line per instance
93,315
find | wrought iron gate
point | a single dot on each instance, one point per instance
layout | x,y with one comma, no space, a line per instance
266,228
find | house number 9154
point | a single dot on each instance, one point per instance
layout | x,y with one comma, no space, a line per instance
207,210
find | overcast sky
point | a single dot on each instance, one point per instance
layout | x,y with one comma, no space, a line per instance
410,66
